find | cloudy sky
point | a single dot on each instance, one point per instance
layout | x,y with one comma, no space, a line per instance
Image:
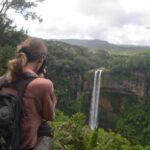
116,21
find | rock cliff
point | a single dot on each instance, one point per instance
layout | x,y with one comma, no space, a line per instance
119,88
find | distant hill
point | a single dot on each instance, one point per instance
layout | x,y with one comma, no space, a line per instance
100,44
88,43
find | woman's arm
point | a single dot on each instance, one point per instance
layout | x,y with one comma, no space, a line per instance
49,103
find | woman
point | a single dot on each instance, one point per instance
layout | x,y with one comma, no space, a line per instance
39,98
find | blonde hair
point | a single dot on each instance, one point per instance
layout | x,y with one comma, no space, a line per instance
35,46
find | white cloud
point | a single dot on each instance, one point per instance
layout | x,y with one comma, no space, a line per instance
118,21
135,34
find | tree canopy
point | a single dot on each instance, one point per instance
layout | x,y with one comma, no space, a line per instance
22,7
7,29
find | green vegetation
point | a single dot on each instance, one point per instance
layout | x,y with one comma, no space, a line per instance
71,68
8,32
72,134
128,52
135,123
68,68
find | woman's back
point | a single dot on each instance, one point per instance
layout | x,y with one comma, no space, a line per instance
37,106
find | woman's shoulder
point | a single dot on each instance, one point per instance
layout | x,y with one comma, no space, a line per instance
41,83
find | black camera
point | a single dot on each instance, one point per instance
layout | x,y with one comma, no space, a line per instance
42,69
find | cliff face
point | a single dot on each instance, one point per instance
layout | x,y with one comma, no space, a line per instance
134,83
118,91
119,87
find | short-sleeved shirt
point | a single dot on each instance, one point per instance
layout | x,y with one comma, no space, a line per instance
39,103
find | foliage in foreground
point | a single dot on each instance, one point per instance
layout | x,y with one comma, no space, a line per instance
72,134
134,124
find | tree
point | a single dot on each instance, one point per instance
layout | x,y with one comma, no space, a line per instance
6,53
23,7
135,123
20,6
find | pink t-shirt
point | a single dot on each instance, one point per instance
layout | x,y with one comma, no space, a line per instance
39,103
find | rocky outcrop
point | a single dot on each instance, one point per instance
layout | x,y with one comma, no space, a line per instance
116,86
136,84
106,104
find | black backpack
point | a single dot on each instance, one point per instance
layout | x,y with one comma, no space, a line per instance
11,111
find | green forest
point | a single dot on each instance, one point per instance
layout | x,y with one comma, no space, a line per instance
124,109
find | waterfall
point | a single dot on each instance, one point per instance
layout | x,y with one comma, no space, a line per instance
93,120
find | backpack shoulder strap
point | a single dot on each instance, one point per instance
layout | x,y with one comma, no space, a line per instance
2,81
21,84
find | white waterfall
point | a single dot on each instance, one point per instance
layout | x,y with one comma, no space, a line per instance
93,120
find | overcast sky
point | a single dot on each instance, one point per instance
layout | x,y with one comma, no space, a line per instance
116,21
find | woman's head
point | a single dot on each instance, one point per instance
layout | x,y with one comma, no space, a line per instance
30,52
